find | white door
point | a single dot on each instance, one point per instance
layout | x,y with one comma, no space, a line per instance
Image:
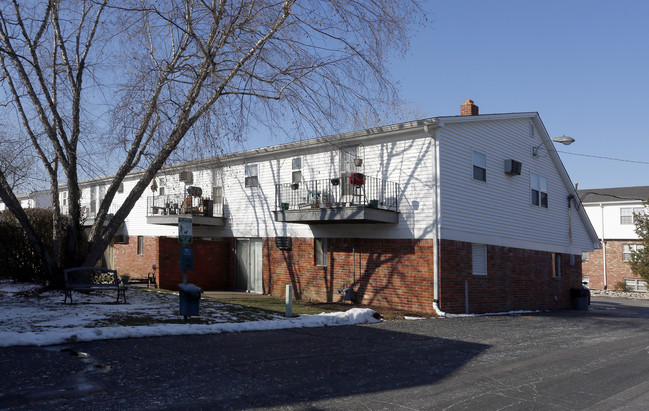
249,265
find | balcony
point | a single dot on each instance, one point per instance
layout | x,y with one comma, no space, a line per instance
352,198
89,212
166,209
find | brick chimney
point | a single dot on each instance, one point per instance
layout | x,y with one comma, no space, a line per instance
468,108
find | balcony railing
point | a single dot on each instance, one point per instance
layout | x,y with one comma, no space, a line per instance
180,204
350,190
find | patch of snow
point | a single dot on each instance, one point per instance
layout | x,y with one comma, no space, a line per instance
45,320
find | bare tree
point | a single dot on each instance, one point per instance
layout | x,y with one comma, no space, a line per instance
182,73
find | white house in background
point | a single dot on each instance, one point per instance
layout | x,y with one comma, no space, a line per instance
612,212
34,199
469,213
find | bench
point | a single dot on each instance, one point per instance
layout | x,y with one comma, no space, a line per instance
92,278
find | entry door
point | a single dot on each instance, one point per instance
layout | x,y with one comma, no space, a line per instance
249,264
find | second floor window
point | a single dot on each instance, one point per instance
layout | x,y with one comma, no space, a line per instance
628,214
479,166
252,176
539,190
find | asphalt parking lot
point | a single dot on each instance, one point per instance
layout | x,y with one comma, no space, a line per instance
558,360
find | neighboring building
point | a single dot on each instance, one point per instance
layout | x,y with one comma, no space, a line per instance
475,213
35,199
612,212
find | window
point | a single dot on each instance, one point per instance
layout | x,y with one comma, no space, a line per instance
140,245
320,252
539,190
162,191
627,215
556,265
252,176
297,173
479,166
628,249
585,280
64,198
634,284
479,257
585,256
120,189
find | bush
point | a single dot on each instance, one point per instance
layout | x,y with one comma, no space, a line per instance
620,286
18,260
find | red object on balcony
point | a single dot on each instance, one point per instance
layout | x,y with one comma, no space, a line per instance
357,179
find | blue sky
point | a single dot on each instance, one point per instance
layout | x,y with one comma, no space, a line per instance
583,65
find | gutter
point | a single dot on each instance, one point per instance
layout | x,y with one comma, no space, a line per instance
431,130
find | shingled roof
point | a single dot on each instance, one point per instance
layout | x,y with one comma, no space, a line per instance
597,195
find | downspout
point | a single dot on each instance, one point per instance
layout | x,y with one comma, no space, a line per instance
601,206
431,130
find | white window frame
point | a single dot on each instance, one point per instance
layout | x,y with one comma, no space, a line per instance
296,166
628,214
635,284
539,188
556,265
628,249
585,256
252,175
320,252
479,259
140,245
479,162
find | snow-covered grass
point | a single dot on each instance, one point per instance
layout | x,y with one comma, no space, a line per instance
32,318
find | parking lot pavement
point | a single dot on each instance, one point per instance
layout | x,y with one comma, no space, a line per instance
557,360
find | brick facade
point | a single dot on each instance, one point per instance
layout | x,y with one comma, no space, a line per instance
395,273
616,269
384,273
213,262
516,279
399,274
126,260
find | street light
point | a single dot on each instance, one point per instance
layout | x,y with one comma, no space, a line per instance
565,140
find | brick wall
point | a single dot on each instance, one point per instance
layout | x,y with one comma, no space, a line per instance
399,274
212,264
616,269
126,260
516,279
394,273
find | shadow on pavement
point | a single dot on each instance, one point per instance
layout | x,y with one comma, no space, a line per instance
254,369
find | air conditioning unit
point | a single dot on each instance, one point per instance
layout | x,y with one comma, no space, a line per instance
513,167
186,177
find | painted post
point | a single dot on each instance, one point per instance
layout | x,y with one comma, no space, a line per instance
289,300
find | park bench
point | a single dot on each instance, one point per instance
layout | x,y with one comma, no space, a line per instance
92,279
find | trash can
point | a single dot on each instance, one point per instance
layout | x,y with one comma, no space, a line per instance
190,298
580,297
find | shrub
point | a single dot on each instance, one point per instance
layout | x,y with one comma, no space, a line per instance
18,259
620,286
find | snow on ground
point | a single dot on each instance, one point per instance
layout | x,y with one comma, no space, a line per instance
30,318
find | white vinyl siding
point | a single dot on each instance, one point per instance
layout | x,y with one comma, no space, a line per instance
499,213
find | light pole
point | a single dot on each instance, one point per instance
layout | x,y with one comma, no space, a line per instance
565,140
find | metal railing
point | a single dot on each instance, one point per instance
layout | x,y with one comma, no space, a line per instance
177,204
349,190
